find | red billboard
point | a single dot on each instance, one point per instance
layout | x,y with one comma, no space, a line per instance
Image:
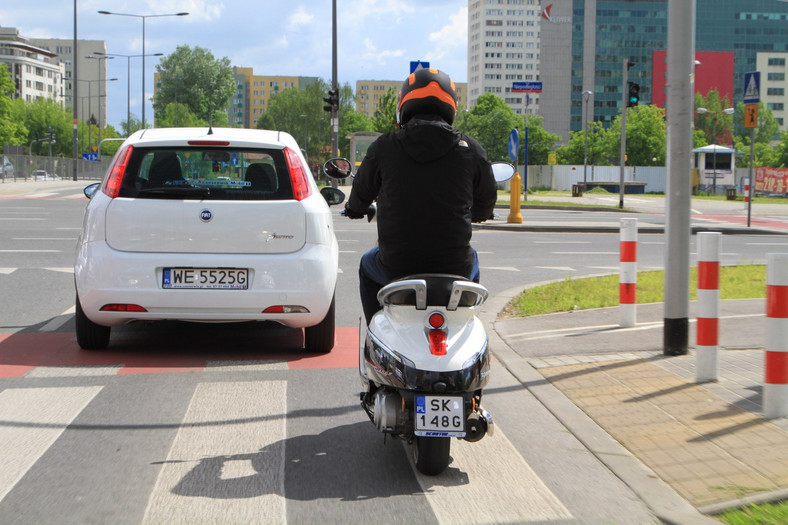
715,71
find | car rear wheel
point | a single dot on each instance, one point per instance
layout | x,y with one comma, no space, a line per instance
320,338
90,336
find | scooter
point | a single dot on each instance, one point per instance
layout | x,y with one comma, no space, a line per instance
424,357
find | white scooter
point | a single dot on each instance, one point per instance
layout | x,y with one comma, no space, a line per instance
424,357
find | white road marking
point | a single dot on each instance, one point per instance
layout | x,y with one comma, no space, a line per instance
562,268
58,321
490,466
8,271
209,474
74,371
501,268
32,420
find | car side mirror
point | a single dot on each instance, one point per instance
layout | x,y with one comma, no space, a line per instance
332,195
91,190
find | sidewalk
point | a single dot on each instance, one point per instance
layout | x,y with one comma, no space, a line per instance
685,448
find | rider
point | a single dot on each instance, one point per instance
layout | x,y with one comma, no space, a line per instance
430,182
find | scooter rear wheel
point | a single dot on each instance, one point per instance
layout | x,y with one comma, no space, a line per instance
431,454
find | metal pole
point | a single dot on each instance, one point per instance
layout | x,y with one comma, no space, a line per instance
752,178
74,99
586,97
143,71
623,153
334,82
680,87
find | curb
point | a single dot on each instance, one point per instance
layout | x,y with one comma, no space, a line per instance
666,503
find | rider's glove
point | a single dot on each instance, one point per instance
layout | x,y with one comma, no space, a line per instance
352,214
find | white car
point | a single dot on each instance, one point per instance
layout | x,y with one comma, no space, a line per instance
207,225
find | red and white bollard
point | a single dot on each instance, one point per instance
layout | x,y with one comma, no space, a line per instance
775,391
708,306
628,273
746,192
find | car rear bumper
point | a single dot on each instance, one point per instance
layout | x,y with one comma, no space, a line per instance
306,278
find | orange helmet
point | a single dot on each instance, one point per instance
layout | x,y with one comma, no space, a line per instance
427,92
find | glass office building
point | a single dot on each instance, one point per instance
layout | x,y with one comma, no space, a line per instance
604,33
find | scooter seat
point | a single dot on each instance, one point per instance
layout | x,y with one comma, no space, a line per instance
439,290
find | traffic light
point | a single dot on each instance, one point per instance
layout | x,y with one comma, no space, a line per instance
634,94
332,100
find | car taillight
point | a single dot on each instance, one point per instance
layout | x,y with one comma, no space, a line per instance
113,307
112,187
286,309
298,175
437,342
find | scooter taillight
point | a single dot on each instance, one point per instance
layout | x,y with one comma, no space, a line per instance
437,342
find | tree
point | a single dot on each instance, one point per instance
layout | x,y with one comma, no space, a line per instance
716,126
12,130
178,115
646,136
574,151
195,78
40,116
385,118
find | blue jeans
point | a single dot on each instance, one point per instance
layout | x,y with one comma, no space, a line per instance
371,279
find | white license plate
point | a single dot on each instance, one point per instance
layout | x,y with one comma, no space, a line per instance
439,416
206,278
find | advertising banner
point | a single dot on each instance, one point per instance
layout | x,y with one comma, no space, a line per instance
771,180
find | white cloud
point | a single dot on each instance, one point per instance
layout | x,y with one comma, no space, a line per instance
372,54
300,18
450,37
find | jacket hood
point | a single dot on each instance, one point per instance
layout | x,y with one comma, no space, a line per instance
426,140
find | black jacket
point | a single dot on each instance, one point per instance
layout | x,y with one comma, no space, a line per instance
430,183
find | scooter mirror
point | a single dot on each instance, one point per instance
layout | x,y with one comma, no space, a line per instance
338,168
502,171
333,196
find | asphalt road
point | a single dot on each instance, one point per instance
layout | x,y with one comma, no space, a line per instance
180,423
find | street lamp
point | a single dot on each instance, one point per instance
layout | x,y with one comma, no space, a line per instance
128,81
90,139
100,58
143,17
586,95
704,111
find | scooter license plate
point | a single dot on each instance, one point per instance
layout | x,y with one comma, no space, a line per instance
439,416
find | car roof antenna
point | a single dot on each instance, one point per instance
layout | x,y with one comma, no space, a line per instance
210,123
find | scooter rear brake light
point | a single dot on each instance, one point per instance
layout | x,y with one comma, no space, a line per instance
113,307
118,170
298,175
437,342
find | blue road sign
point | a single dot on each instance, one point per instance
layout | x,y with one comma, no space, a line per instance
418,64
526,87
90,156
752,87
514,144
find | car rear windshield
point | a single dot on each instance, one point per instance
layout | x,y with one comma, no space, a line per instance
207,173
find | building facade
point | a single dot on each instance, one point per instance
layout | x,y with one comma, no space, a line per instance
92,69
37,73
582,46
253,94
503,48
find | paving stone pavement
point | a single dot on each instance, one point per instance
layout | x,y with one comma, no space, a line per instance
694,436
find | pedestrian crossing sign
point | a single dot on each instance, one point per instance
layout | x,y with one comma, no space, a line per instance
752,87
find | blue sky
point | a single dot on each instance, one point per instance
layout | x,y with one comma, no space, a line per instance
377,38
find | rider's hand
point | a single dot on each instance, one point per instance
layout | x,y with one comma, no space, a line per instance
351,214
